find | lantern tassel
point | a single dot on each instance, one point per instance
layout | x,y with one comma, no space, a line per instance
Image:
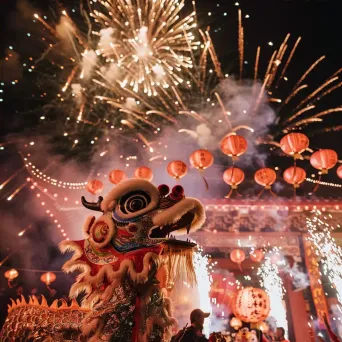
230,193
201,171
317,184
240,267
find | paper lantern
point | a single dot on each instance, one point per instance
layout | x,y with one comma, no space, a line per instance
237,256
257,255
117,176
144,172
251,305
234,146
236,323
11,274
324,160
94,186
48,278
294,175
177,169
265,177
294,144
233,177
201,159
339,171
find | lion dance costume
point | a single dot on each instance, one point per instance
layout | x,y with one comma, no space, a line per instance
128,261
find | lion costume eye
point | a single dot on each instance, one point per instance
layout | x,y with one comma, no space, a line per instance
134,201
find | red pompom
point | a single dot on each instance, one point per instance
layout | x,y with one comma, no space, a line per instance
177,192
163,190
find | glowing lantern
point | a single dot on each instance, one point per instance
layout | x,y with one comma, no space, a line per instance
235,323
233,177
94,186
234,146
144,172
201,159
339,171
294,144
117,176
177,169
257,255
324,160
48,278
251,305
237,256
263,327
11,274
265,177
294,175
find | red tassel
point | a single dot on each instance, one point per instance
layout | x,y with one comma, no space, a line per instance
229,194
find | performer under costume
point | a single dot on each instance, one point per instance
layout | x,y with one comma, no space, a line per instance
129,260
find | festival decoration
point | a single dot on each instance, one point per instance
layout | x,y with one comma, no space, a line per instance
234,146
339,172
324,160
294,175
48,278
177,169
201,160
233,177
117,176
94,186
257,255
238,256
251,305
265,177
11,275
235,323
294,144
143,172
124,250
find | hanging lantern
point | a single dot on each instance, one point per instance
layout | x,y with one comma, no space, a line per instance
324,160
238,256
234,146
233,177
339,171
251,305
236,323
265,177
294,144
201,159
94,186
144,172
117,176
177,169
11,274
294,175
257,255
48,278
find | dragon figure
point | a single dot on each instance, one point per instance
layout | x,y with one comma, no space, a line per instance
129,261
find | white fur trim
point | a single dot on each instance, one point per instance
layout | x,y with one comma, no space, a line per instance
174,213
127,186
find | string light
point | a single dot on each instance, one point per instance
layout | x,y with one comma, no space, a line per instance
335,185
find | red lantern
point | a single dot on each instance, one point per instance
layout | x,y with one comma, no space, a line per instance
294,144
233,177
117,176
251,305
265,177
94,186
339,171
324,160
48,278
144,172
257,255
237,256
177,169
201,159
234,146
294,175
11,274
